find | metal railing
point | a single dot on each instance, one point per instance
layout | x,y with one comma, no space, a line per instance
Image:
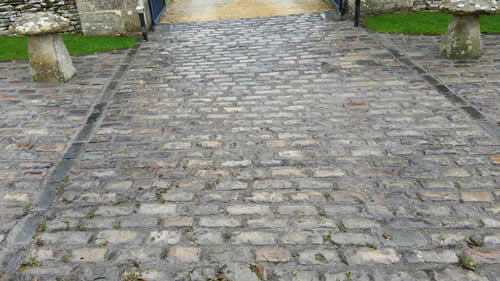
142,19
339,7
357,12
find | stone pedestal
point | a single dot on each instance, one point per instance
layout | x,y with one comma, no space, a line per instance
49,58
463,38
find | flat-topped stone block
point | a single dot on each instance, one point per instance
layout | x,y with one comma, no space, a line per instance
39,23
462,40
469,7
49,59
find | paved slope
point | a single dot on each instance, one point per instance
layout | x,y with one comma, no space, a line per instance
283,148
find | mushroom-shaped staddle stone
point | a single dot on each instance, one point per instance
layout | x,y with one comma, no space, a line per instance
463,38
48,56
39,23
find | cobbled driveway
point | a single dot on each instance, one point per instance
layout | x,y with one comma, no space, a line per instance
283,148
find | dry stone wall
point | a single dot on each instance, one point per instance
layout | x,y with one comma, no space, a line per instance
372,7
10,10
425,4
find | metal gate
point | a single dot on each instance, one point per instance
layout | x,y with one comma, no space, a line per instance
338,5
156,7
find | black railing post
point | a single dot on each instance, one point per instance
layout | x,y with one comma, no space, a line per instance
357,12
140,11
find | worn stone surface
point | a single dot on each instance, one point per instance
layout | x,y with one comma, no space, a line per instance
37,126
39,23
49,59
48,56
111,16
462,40
327,137
11,10
456,274
469,7
475,81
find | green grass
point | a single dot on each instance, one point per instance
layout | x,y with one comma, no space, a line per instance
424,23
15,47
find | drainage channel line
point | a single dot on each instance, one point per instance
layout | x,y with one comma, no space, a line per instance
444,90
26,228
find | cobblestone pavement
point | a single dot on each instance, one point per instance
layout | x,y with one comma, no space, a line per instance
475,81
39,122
283,148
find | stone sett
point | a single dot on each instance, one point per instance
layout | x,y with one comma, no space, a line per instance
190,167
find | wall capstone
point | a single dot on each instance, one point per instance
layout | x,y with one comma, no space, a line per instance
373,7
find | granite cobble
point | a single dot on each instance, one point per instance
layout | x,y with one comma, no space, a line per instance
475,81
283,148
39,122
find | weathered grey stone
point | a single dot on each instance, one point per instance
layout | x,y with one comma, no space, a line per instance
49,59
371,256
457,274
116,236
48,56
444,256
221,225
110,17
405,239
165,237
486,256
241,272
462,40
69,237
347,276
184,255
286,275
353,239
88,254
469,7
16,8
143,254
272,255
401,276
319,256
355,223
492,240
219,222
39,23
448,239
255,238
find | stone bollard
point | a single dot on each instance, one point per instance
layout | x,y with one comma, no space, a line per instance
462,40
49,59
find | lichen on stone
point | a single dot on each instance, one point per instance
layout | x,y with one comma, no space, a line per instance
469,7
39,23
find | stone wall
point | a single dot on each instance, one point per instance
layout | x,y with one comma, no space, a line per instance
100,17
373,7
425,4
10,10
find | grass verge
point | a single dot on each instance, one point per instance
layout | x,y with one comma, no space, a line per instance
15,47
424,23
